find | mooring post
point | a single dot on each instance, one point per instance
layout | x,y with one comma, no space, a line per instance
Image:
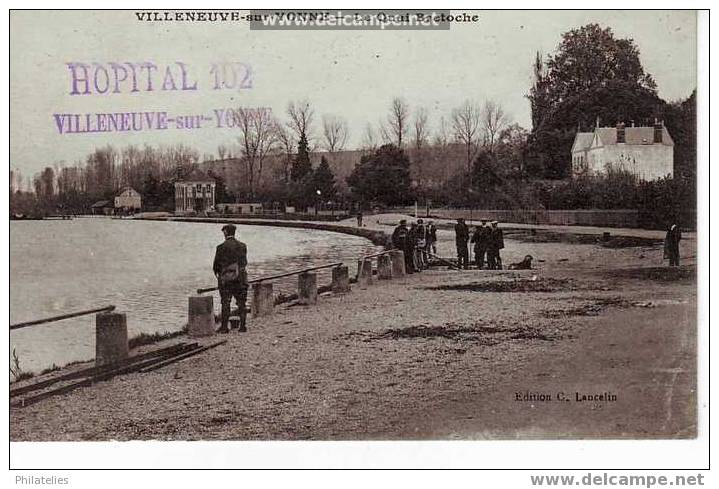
397,257
364,272
384,267
340,279
307,288
200,316
263,299
111,344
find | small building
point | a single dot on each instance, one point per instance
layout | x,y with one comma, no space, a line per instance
102,208
129,200
194,194
240,208
647,152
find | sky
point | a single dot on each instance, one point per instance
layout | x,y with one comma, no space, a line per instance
351,74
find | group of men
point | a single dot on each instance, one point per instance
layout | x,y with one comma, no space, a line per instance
418,242
487,242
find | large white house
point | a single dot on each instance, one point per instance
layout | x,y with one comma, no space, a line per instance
647,152
194,194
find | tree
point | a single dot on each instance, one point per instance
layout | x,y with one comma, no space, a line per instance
257,137
302,166
301,115
287,142
592,75
493,121
397,120
382,176
419,140
369,140
324,180
465,124
335,133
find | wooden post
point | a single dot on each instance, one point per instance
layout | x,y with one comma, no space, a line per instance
111,344
307,288
397,257
340,279
384,267
200,316
364,272
263,299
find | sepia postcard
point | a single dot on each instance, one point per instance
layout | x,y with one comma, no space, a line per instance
353,225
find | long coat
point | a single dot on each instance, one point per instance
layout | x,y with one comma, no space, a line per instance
228,253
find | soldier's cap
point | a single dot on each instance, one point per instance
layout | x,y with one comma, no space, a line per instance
495,222
229,228
403,221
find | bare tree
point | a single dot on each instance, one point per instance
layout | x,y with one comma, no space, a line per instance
335,133
465,124
369,140
493,121
419,139
385,134
301,115
222,151
397,119
257,138
287,142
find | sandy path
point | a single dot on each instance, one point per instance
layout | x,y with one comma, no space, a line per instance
339,370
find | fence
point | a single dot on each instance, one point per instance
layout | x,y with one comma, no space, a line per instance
626,218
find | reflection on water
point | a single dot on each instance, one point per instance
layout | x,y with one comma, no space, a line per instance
146,268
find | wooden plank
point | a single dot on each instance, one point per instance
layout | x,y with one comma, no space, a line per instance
279,275
181,356
92,371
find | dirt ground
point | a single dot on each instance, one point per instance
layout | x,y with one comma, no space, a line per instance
442,354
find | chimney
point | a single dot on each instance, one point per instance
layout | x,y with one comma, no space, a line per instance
658,131
621,137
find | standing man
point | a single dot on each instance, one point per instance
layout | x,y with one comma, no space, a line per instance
461,236
495,243
671,245
422,244
359,218
480,238
230,269
431,238
401,241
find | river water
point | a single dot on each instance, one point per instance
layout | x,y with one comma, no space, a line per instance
145,268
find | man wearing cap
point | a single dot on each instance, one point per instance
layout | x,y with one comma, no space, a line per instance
461,236
495,243
230,269
480,238
401,241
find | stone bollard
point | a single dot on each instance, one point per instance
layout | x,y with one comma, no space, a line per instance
263,299
307,288
606,236
200,316
364,273
340,279
397,257
111,345
384,267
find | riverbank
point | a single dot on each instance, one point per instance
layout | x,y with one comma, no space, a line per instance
441,354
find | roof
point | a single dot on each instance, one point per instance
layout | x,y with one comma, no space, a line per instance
582,140
196,176
101,203
608,136
125,189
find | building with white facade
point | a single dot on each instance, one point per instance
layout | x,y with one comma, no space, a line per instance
647,152
194,194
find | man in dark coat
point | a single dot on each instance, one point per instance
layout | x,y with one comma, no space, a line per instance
495,243
480,238
461,236
431,238
401,241
230,269
671,245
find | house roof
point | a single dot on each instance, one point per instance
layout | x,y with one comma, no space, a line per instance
608,136
196,176
582,141
125,189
